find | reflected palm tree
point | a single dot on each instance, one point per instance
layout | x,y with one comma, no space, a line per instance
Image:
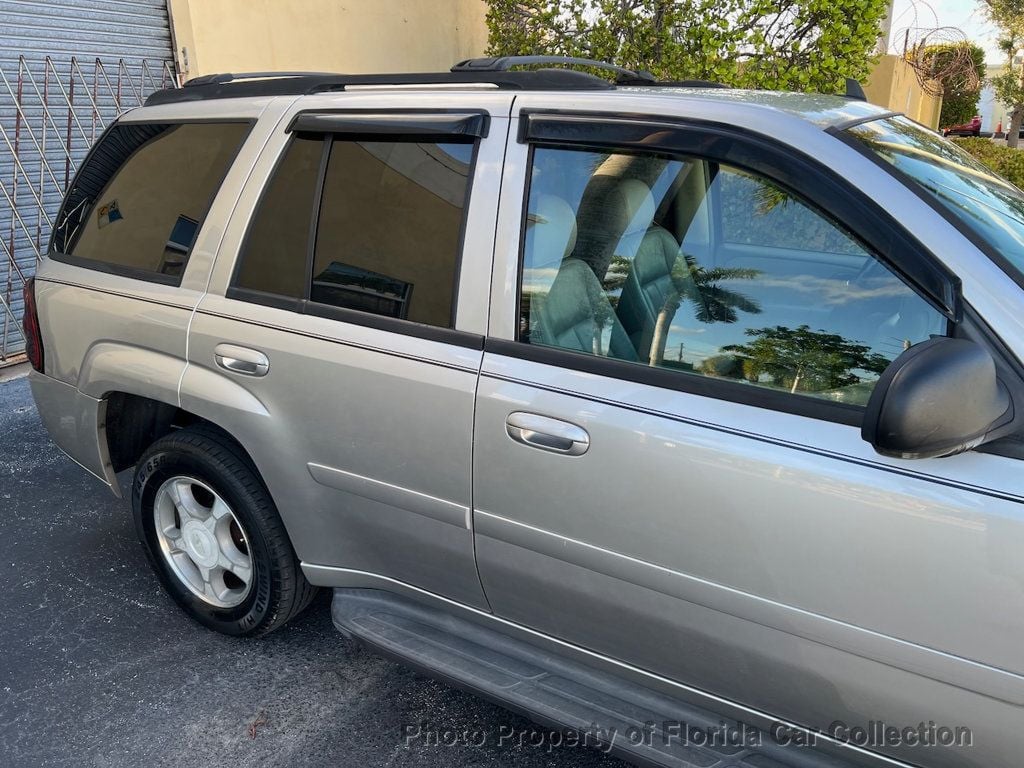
712,303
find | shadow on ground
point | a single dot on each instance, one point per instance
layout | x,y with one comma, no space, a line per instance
98,667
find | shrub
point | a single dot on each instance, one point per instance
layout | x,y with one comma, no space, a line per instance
803,45
1008,162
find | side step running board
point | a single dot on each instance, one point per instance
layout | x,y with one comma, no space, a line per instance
559,693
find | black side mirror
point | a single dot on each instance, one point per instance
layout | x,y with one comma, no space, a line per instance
938,398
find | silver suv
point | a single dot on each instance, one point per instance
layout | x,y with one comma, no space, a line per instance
686,419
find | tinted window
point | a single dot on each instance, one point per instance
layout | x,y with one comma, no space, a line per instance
389,228
754,212
138,202
274,255
632,257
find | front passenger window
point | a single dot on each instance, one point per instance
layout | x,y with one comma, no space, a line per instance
684,264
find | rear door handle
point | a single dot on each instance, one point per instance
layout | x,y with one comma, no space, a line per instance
248,362
547,434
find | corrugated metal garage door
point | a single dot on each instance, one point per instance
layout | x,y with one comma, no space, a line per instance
68,68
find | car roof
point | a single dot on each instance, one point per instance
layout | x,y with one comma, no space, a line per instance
825,110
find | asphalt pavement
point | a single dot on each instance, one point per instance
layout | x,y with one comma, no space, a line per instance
98,667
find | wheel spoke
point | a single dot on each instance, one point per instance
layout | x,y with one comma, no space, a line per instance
210,591
243,572
182,559
186,504
185,567
174,491
239,565
220,509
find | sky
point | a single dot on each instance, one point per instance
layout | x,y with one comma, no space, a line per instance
967,15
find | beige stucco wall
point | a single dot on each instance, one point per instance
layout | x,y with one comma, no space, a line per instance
893,84
325,35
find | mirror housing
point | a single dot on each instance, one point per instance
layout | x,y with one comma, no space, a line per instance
938,398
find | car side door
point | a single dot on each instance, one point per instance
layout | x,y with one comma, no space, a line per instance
669,469
342,346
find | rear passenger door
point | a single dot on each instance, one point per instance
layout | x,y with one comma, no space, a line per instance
349,330
668,461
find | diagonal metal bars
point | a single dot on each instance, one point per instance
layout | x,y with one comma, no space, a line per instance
50,114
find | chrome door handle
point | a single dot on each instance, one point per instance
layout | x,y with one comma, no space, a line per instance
241,360
547,434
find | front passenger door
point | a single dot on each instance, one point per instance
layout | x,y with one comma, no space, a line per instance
669,468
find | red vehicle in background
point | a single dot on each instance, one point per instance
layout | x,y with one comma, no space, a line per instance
973,128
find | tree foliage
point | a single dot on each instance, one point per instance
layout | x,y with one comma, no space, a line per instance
960,93
806,45
800,359
1007,162
1008,16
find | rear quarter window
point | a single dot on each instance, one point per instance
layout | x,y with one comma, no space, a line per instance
141,196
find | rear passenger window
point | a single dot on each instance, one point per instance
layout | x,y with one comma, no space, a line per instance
685,264
138,201
386,232
274,255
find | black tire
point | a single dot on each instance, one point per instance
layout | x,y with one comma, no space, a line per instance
279,589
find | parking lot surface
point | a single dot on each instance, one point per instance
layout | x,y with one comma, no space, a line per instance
98,666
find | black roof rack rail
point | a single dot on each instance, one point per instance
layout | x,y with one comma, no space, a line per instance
505,63
254,84
496,71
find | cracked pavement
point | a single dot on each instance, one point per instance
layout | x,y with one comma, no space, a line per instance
98,667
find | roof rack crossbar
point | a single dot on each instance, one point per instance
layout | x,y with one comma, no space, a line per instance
505,63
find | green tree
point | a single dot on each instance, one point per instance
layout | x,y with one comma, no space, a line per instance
802,359
1008,16
806,45
961,90
1007,162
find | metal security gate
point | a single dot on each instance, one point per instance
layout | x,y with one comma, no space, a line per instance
67,68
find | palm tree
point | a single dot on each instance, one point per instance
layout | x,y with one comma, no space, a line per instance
712,303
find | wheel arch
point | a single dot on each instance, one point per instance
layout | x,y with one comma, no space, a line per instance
141,392
134,422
